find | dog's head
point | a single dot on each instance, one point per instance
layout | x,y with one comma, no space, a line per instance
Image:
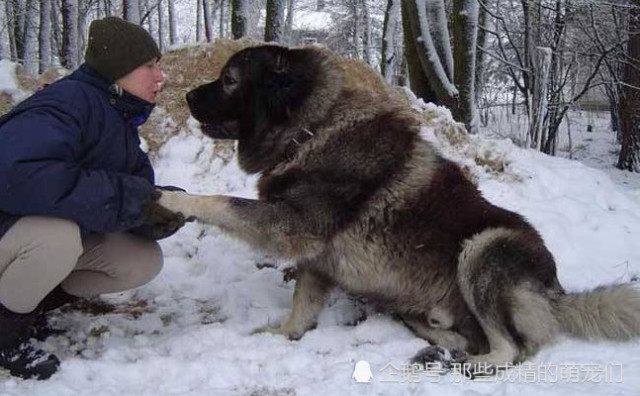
260,93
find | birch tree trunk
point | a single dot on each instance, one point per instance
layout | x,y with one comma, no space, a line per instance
288,24
147,12
4,49
274,24
366,37
44,38
173,35
11,30
436,18
539,96
389,62
131,11
208,17
529,66
223,8
239,18
56,30
161,33
30,50
198,19
357,29
70,34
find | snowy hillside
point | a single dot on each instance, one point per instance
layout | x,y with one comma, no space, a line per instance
190,331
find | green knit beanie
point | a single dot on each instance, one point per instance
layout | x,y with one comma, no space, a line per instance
116,47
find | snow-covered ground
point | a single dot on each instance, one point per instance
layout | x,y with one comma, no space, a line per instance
190,331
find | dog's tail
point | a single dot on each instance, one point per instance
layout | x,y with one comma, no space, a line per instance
608,312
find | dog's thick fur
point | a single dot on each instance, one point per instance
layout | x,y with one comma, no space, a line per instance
350,190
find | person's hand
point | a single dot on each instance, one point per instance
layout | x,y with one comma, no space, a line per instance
160,222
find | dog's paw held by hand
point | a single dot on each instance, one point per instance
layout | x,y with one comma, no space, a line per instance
171,200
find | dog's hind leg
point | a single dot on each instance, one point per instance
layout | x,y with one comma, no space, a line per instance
309,298
486,285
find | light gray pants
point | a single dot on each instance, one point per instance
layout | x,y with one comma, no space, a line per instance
39,253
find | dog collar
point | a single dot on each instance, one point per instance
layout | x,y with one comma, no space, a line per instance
303,135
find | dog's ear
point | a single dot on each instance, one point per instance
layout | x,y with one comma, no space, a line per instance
281,89
279,77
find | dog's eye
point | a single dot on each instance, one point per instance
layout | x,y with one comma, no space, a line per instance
228,80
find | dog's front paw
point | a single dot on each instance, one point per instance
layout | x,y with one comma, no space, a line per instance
280,330
171,200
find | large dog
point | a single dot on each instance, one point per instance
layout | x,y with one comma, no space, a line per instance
350,190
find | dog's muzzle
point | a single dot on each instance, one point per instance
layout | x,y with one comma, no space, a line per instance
225,130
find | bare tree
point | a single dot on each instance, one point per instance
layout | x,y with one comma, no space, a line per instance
147,12
629,158
161,33
465,30
354,9
431,59
274,24
367,38
198,19
30,40
207,11
239,18
391,49
288,23
56,29
70,34
4,49
44,38
19,15
173,32
108,7
10,13
606,26
480,54
223,26
131,10
354,31
85,8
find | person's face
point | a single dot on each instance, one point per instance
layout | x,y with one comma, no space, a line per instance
144,81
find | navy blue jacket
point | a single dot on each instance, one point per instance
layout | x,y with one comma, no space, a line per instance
71,151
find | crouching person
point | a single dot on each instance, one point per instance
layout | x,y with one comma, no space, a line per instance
77,212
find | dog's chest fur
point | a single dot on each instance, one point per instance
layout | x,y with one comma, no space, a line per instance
366,253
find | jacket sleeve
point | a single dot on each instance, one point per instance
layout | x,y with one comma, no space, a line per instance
144,168
39,175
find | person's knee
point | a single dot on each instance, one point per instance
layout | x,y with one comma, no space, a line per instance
41,252
152,263
149,261
60,238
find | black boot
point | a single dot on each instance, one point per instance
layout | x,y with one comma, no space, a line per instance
54,300
17,354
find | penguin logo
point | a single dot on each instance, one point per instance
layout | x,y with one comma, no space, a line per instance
362,372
